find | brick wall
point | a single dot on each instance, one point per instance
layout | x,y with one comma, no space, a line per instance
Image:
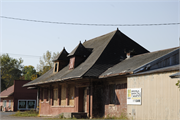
101,99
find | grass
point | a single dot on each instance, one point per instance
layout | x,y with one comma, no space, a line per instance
30,113
33,113
123,116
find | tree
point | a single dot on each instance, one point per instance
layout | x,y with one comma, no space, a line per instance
3,84
46,63
28,72
178,83
11,69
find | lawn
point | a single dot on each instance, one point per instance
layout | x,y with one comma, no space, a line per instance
30,113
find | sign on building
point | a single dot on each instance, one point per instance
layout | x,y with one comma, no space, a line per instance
134,96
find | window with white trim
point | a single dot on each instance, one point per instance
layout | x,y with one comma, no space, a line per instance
26,104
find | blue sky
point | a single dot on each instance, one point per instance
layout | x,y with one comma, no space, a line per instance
30,40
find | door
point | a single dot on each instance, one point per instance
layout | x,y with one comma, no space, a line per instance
82,99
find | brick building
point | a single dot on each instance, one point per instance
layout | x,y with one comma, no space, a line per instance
70,86
92,80
17,97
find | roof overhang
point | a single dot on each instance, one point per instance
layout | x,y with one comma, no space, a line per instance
160,70
176,75
6,96
29,88
33,85
117,74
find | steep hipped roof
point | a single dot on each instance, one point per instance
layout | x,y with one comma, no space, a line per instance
61,56
130,65
98,44
7,92
107,50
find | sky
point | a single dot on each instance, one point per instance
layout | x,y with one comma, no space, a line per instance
30,40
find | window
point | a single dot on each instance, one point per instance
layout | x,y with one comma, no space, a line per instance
63,95
42,95
9,103
55,70
55,97
112,96
48,100
26,104
22,104
4,103
177,59
72,62
56,67
31,104
71,95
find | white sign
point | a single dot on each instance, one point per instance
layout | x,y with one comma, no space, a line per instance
134,96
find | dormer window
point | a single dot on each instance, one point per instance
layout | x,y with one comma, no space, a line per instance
71,63
61,61
55,67
78,55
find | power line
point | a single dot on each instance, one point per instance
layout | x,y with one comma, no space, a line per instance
22,55
41,21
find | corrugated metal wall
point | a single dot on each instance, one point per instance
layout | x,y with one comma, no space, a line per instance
160,97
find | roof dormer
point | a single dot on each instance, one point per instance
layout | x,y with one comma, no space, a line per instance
61,60
78,55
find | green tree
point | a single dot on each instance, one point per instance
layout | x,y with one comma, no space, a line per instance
178,83
28,72
3,84
46,63
11,69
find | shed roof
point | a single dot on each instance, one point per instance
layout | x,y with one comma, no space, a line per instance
130,65
7,92
160,70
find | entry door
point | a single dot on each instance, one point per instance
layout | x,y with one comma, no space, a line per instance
85,100
82,99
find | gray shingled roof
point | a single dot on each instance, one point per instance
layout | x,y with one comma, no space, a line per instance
98,44
129,65
106,51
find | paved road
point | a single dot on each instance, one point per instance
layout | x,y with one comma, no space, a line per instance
7,116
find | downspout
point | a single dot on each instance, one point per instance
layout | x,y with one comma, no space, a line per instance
37,108
89,97
39,101
91,101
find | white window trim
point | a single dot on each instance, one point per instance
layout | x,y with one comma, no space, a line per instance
9,103
26,105
3,103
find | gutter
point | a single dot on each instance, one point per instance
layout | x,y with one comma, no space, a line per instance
50,81
116,74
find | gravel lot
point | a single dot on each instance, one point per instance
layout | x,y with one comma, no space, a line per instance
7,116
